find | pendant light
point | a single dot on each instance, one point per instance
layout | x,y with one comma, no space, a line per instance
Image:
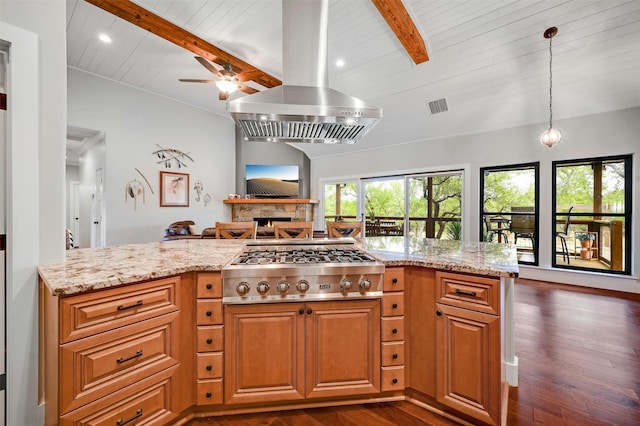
551,136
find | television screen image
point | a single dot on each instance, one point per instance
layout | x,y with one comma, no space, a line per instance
272,181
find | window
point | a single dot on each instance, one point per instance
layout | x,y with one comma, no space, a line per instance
592,214
340,201
419,205
509,207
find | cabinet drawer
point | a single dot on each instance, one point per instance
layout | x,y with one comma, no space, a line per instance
392,329
209,285
210,338
209,366
97,366
209,312
393,279
393,304
147,402
88,314
392,353
466,291
392,378
209,392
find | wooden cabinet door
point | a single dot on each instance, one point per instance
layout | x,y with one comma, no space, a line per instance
342,346
468,362
264,353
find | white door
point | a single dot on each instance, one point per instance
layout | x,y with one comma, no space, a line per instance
97,209
74,211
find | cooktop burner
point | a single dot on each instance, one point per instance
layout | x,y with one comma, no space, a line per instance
288,255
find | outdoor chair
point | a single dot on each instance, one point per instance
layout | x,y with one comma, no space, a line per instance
494,227
523,226
563,234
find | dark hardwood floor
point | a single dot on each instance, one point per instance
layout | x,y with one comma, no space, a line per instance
579,364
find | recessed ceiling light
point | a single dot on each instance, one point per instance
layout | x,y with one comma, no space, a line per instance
339,63
104,38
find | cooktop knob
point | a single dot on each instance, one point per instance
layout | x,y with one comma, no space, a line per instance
282,286
345,285
364,284
243,288
263,287
302,286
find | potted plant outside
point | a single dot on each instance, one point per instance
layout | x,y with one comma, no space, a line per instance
586,239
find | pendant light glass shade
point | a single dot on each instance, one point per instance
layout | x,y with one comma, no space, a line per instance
551,136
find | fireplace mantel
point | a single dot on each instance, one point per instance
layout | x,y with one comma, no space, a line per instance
270,201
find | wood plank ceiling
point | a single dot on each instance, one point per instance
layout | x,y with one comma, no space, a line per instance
488,59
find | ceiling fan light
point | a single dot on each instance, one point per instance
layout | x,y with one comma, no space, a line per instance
226,86
550,137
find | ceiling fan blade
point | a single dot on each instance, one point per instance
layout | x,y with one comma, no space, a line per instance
208,66
223,95
247,89
195,80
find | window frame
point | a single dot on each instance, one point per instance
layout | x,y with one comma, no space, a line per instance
514,167
627,159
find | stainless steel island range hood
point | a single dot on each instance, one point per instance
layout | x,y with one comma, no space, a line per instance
304,108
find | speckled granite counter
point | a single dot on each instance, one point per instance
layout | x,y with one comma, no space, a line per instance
92,269
490,259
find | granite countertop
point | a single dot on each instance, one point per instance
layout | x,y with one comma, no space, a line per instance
93,269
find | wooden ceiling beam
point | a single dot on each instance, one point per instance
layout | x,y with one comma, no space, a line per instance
397,17
153,23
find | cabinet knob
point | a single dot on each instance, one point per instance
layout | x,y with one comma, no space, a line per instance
394,381
309,311
394,281
394,331
208,313
301,311
208,368
209,286
207,395
438,313
394,356
209,341
394,306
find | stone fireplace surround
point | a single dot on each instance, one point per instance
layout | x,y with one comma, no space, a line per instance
292,209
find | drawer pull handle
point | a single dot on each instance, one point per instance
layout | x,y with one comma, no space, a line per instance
394,381
209,341
121,422
465,293
136,355
135,305
394,306
394,331
208,394
394,356
208,368
208,313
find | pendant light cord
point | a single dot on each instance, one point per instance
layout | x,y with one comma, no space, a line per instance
550,85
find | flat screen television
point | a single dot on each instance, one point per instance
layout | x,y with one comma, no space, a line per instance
272,181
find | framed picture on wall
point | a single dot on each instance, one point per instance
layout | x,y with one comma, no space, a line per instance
174,189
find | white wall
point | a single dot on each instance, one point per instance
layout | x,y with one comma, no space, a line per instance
133,122
35,178
611,133
72,174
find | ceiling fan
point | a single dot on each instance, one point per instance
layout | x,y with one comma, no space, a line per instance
228,80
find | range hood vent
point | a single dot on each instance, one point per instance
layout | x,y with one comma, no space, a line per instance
304,108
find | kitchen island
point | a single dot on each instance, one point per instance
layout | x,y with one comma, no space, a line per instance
123,328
